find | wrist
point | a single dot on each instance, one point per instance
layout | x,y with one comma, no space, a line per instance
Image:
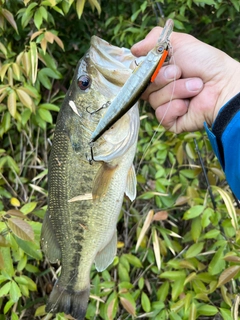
230,84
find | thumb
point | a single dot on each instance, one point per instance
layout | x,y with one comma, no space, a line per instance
144,46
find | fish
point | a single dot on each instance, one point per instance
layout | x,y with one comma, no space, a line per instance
142,76
87,183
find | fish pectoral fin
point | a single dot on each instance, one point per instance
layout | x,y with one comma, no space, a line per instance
131,185
102,180
49,242
105,257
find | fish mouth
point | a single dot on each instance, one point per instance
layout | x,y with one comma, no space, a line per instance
114,63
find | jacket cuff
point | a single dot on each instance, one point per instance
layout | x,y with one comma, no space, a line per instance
223,119
225,140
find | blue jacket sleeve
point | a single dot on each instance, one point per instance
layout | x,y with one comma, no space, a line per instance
225,140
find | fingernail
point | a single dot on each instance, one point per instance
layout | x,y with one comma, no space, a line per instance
170,72
194,84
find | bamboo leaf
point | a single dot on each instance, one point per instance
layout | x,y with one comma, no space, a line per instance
26,61
229,205
31,248
79,7
145,227
156,249
38,19
16,70
4,290
194,250
59,42
95,4
145,302
228,275
11,103
34,60
28,207
21,229
3,70
15,292
45,115
25,98
128,303
9,17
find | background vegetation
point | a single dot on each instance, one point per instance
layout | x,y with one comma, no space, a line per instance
187,262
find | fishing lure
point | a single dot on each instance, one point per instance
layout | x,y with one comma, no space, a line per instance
136,84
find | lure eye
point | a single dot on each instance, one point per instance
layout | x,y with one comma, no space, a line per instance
84,82
160,49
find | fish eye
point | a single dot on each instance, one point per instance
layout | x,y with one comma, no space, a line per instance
84,82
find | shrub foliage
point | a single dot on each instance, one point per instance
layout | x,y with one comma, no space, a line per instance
178,250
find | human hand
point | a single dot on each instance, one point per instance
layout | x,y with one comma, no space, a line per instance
199,80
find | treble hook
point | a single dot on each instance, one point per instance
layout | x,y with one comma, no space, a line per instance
105,105
91,158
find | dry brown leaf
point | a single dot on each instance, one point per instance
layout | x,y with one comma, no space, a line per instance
160,215
145,227
156,249
127,305
16,213
181,200
21,229
228,275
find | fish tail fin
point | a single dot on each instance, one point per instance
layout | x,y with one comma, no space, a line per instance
68,301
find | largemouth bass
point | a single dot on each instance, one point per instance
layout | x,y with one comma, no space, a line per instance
87,185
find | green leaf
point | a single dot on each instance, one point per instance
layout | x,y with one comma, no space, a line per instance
206,310
226,314
15,292
45,115
133,260
177,288
196,229
173,275
28,207
145,302
212,234
123,273
8,306
43,78
49,106
12,164
217,263
193,212
7,259
38,19
4,290
31,248
194,250
163,291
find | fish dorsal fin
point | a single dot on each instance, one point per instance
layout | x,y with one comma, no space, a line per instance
102,180
105,257
131,185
